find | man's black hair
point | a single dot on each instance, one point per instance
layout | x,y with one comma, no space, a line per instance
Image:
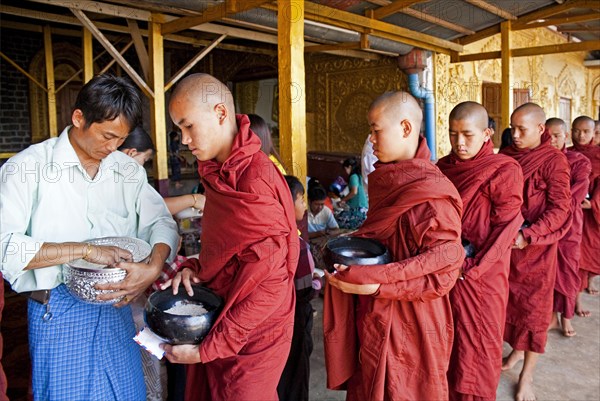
295,185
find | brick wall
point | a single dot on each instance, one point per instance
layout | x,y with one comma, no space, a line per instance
15,128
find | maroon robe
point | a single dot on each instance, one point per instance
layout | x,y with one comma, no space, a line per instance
249,255
547,207
491,187
568,282
3,384
396,343
590,243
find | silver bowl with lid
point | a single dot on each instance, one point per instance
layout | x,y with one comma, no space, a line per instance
82,276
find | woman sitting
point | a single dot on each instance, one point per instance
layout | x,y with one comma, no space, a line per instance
355,204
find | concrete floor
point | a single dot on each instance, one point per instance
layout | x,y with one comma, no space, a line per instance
569,370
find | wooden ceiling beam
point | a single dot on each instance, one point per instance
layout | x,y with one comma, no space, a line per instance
588,45
492,9
393,8
590,29
337,46
213,13
560,21
554,9
437,21
140,47
359,23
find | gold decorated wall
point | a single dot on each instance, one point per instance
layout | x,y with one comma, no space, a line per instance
338,94
547,78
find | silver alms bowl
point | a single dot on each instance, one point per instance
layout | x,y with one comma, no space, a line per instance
81,276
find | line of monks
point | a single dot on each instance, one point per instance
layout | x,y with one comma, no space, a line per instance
487,247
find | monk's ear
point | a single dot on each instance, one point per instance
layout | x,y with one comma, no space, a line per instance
541,128
406,127
222,112
488,134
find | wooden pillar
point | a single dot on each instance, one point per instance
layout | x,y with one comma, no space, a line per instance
157,105
52,124
88,55
292,88
506,106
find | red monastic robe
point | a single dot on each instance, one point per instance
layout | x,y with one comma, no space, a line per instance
3,383
396,343
249,255
568,282
590,241
547,207
491,187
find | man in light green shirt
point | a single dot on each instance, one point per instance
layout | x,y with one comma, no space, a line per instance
53,196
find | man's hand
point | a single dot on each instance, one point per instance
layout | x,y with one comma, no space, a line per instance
586,204
349,288
186,353
108,255
139,277
520,241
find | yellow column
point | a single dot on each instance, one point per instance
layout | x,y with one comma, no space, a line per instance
52,124
157,104
506,106
292,89
88,55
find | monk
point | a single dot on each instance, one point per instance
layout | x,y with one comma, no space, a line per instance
582,132
597,133
547,211
392,340
491,188
568,282
249,250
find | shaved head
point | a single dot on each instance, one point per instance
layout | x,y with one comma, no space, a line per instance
401,105
533,110
203,108
471,111
558,130
583,130
204,90
395,120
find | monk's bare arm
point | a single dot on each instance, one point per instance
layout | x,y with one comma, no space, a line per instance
551,225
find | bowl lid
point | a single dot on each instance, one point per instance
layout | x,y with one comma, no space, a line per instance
139,249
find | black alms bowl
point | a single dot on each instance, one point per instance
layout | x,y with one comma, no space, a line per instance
179,328
356,251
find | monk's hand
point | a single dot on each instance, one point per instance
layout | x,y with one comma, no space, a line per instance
350,288
520,241
185,277
185,353
586,204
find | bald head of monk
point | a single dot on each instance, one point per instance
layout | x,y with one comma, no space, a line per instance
583,130
468,129
202,107
395,120
527,124
558,131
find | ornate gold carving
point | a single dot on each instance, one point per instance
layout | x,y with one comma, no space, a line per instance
339,92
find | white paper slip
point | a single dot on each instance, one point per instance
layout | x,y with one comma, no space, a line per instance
150,341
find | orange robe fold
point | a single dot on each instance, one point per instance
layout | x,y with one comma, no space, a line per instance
395,344
547,207
491,189
249,255
590,242
568,281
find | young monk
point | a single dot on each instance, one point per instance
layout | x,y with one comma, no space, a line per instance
568,282
491,188
393,341
582,132
547,210
249,250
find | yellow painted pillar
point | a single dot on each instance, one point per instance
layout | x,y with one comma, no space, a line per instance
292,88
157,104
88,56
506,105
52,124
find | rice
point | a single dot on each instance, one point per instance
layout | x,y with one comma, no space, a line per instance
187,309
